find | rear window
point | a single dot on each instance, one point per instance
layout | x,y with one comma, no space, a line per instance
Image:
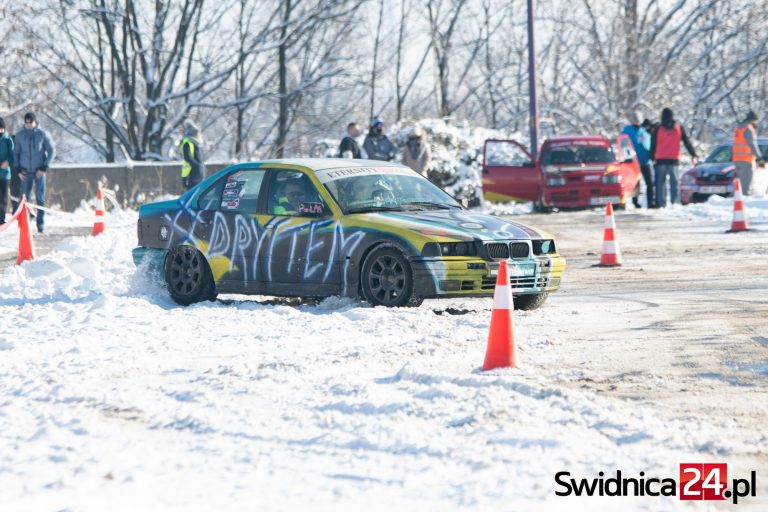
577,154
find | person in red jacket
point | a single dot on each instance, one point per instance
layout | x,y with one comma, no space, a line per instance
665,153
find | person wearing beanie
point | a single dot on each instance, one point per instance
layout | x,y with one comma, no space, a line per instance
6,162
665,154
33,153
746,151
641,140
377,144
192,161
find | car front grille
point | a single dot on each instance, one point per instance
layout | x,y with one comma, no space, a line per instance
519,249
497,251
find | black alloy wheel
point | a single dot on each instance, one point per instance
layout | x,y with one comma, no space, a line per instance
188,276
387,279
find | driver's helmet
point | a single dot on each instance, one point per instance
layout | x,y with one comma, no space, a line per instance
381,192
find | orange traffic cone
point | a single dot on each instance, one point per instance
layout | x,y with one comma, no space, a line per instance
501,351
98,224
739,219
26,248
611,256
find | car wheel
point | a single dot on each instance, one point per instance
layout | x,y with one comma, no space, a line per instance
188,276
531,301
387,279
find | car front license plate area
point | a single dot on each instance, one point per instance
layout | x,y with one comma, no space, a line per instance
601,201
711,189
527,269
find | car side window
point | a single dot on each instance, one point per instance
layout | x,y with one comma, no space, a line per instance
210,199
240,190
292,193
504,154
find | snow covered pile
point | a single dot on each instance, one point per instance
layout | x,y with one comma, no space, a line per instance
109,389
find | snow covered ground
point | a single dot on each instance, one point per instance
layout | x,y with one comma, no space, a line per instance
114,398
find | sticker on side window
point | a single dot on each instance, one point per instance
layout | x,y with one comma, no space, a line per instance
230,205
311,208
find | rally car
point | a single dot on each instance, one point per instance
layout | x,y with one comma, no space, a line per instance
321,227
715,175
574,171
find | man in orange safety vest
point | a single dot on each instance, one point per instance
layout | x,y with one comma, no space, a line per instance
746,151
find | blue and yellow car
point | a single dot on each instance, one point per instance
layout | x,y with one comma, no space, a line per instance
315,228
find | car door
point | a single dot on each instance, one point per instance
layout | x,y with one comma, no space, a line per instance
228,224
300,248
628,162
509,172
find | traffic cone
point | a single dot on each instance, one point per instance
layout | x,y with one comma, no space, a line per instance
611,256
739,219
98,224
501,351
26,247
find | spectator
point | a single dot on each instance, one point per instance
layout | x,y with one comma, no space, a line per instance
417,154
192,161
665,153
349,147
641,140
6,162
33,153
377,145
746,150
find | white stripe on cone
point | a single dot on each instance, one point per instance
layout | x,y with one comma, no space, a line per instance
610,222
609,247
502,297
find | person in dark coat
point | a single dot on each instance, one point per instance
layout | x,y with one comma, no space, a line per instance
6,164
192,160
349,148
33,153
377,145
665,153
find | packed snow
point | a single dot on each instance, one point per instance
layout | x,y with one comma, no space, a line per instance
110,389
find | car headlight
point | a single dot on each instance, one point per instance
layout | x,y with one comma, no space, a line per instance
687,179
611,178
433,249
556,182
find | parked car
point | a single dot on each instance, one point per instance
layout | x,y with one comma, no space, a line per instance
324,227
715,175
574,171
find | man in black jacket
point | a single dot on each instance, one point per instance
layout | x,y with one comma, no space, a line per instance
349,148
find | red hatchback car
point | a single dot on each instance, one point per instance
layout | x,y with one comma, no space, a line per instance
577,171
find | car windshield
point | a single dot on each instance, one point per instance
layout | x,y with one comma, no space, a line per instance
724,154
390,190
577,154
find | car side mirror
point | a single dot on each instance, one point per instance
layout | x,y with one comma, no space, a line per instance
628,160
312,210
528,164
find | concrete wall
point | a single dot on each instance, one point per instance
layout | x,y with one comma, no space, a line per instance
68,184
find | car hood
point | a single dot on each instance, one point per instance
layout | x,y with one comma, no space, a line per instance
704,170
455,224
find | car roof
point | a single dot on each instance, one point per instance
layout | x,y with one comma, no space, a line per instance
319,164
566,138
729,143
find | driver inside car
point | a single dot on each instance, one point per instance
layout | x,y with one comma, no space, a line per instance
292,195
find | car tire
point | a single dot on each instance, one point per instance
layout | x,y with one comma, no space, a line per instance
188,276
531,301
387,279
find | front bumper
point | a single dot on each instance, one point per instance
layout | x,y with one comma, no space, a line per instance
584,195
699,192
473,277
